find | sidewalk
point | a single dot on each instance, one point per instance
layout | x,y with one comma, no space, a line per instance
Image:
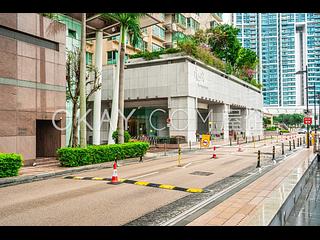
259,202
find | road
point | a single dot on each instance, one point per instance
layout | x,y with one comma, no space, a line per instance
60,201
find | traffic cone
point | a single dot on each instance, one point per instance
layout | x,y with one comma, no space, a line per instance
115,179
214,155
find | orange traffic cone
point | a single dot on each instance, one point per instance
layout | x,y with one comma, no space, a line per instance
115,179
214,155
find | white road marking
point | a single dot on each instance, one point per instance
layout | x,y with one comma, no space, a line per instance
145,175
186,165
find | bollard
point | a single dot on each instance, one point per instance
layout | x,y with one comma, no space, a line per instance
282,148
259,138
258,163
230,141
289,145
293,144
140,159
214,155
179,156
246,140
254,144
304,140
190,145
273,153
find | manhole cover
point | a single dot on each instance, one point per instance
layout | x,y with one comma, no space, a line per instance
201,173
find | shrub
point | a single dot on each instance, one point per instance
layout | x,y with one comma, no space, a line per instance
10,163
127,136
284,131
72,157
272,128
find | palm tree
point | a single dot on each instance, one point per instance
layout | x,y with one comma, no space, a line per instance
129,23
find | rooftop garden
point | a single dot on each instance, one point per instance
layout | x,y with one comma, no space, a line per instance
218,47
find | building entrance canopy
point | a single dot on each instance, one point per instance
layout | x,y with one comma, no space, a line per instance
97,22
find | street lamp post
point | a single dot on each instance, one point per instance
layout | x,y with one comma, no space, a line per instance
307,88
315,104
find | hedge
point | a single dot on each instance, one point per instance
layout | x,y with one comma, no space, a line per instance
10,163
127,136
73,157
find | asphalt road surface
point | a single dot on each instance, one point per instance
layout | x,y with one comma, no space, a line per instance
60,201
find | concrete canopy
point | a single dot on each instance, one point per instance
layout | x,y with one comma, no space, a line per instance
110,27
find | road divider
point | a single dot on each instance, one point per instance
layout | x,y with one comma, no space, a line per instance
142,183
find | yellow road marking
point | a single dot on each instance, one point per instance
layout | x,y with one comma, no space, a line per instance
166,186
97,178
78,178
142,183
194,190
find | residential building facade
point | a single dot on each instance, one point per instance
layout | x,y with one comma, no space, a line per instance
171,28
285,43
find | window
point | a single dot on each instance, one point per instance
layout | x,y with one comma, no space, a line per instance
88,58
193,24
179,18
72,33
156,47
158,31
112,57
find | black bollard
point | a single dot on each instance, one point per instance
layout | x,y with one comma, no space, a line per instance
230,141
293,143
282,148
289,145
258,163
273,153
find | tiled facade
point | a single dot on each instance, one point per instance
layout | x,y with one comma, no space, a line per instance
32,81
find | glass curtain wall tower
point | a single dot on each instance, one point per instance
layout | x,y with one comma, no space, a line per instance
285,43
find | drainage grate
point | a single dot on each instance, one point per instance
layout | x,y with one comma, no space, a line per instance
201,173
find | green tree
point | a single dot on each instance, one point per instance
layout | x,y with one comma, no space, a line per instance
129,23
247,59
224,42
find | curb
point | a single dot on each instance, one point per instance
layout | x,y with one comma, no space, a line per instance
10,181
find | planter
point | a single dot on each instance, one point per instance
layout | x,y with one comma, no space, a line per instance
168,146
171,55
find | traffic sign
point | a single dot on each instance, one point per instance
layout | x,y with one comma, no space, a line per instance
205,140
307,120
